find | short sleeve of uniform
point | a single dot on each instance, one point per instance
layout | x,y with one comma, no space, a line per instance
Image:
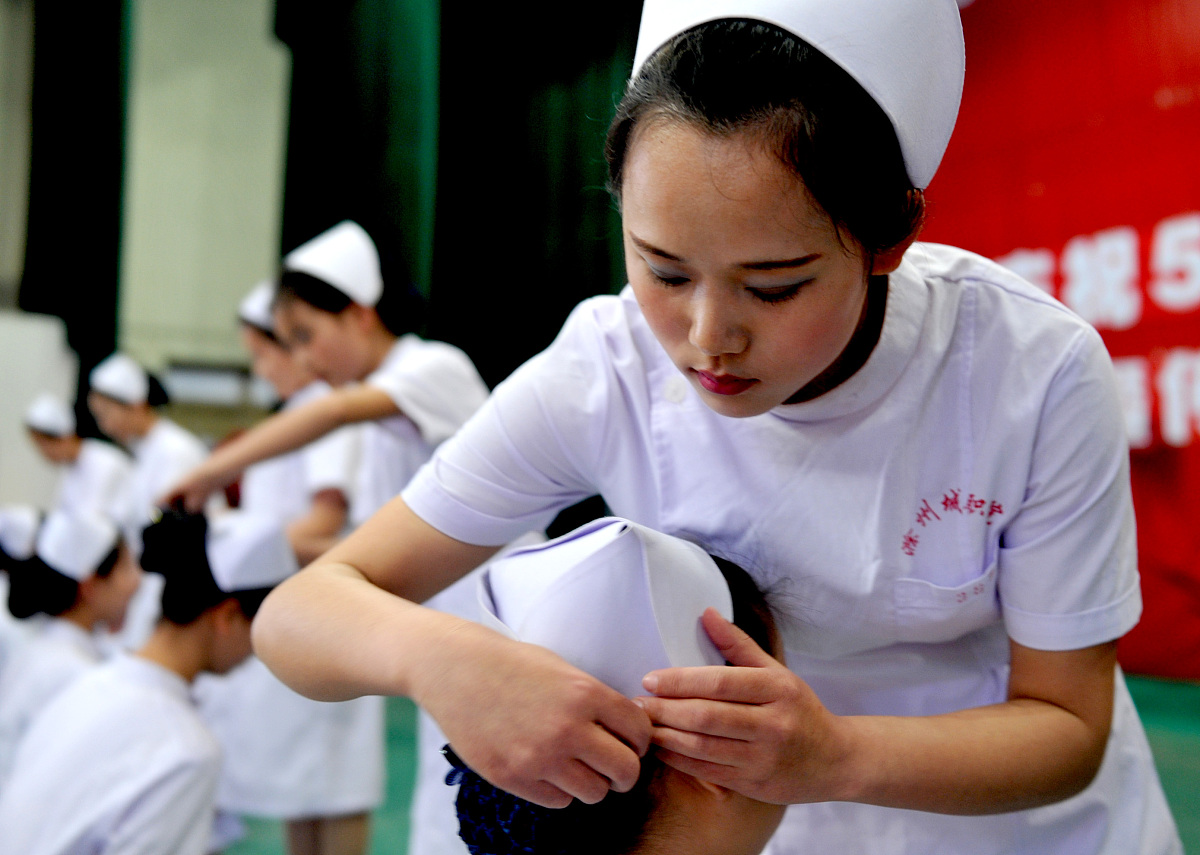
534,447
1068,562
433,384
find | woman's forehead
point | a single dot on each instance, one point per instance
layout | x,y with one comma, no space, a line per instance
680,177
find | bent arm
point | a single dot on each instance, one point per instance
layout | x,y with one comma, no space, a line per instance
283,432
348,625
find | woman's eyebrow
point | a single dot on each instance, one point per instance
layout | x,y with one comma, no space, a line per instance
782,263
652,249
774,264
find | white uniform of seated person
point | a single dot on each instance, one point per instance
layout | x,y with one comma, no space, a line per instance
120,761
76,586
618,600
94,475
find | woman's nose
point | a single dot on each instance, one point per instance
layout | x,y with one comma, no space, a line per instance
716,327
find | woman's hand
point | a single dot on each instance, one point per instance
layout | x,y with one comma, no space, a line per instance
193,491
529,722
756,728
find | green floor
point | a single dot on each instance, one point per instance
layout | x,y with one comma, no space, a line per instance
1170,712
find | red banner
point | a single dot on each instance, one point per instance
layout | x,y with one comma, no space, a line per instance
1075,162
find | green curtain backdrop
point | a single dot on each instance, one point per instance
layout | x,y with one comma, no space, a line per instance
524,227
363,126
468,141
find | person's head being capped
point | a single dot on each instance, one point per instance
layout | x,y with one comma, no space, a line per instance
217,573
617,600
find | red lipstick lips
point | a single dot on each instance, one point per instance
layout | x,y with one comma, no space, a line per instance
724,384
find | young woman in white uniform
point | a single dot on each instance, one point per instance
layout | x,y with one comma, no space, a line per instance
287,757
123,398
82,577
120,761
921,456
94,474
409,394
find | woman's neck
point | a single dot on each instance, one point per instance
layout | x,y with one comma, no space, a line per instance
180,649
857,351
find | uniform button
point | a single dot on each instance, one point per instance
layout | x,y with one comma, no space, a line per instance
675,390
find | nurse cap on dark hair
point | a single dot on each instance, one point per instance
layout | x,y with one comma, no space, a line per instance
18,532
907,54
235,555
70,548
120,377
255,308
50,415
343,257
75,545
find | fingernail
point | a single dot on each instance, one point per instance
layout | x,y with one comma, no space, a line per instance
650,682
641,702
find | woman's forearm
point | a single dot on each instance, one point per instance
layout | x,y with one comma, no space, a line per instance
1011,756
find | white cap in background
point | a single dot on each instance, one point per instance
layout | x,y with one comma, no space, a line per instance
50,415
255,308
248,551
345,257
75,544
18,530
121,378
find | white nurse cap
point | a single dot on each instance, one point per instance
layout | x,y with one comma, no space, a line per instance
255,308
75,544
907,54
248,551
18,530
346,258
121,378
613,598
50,415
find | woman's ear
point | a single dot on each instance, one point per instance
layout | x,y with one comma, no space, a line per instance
886,262
226,615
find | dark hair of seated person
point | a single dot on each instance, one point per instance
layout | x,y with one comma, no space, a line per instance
175,547
495,822
35,587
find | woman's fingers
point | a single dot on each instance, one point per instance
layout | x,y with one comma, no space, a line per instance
701,716
735,645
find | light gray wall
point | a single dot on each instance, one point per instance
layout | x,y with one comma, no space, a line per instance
205,145
16,81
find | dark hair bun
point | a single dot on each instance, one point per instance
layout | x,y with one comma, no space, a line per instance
34,586
492,821
174,547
